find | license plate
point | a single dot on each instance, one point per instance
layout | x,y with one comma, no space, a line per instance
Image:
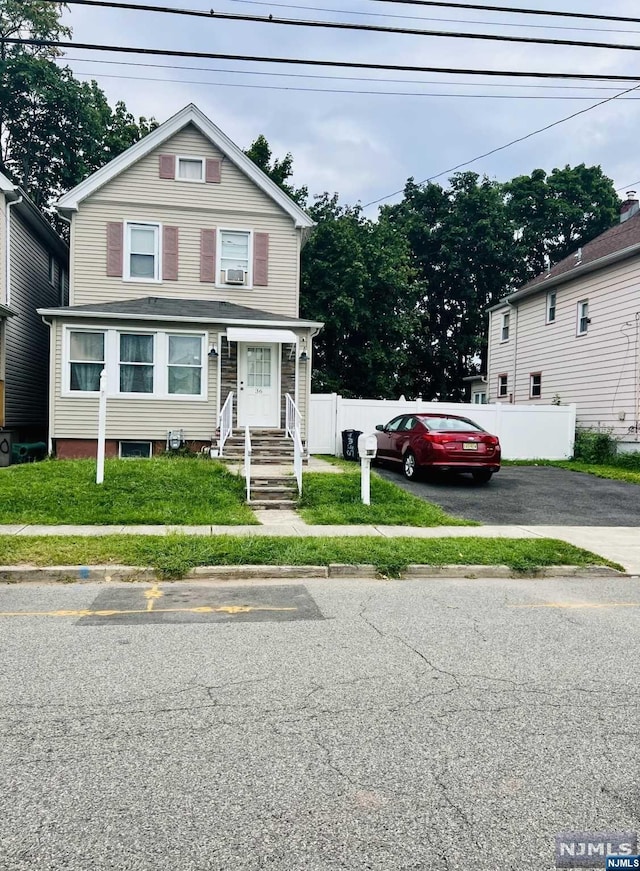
469,446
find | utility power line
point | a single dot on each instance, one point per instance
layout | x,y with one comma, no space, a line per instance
351,91
507,144
203,55
428,18
338,78
342,25
483,7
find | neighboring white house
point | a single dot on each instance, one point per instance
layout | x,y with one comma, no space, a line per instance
572,334
33,272
185,270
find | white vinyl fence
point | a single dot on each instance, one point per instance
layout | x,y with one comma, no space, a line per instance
526,432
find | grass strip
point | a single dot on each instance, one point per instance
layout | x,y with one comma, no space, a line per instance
335,500
159,491
172,556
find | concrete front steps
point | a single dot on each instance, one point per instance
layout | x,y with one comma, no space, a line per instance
269,447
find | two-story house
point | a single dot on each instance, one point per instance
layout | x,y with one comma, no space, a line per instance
33,272
572,334
184,288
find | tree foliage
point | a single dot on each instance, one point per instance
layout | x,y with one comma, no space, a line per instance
54,129
357,278
278,171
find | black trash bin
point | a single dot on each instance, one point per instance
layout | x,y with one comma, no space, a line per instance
350,443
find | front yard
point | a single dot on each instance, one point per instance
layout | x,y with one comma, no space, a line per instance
160,491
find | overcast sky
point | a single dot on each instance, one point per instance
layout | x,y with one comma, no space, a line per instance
365,146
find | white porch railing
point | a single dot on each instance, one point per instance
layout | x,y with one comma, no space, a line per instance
293,428
297,460
247,461
225,422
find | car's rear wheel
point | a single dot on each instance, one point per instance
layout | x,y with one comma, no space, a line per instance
482,476
409,466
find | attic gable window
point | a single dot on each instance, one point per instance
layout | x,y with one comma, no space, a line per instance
190,169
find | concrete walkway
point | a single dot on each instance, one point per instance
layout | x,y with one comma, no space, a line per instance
620,544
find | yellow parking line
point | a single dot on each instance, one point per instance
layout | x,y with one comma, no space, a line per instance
576,605
151,595
201,609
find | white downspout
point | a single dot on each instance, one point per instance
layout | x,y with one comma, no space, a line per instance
7,286
514,309
52,381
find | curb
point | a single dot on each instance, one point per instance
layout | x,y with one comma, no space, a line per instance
133,574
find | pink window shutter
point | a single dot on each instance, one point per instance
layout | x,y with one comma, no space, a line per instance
261,259
208,255
114,248
170,253
167,166
212,170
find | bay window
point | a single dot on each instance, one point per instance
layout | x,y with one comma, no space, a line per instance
145,364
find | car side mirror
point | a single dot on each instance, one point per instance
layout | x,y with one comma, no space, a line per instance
380,427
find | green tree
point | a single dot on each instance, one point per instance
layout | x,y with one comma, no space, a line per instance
54,129
462,245
555,214
278,171
357,278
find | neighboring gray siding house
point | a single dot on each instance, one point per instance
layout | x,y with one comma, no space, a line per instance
33,273
572,334
184,288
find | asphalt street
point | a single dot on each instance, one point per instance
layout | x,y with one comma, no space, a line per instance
531,495
379,725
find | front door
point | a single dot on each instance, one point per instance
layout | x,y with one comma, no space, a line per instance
258,385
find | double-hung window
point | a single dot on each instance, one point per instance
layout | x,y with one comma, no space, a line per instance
504,332
184,365
583,317
535,385
551,306
234,256
142,261
136,363
190,169
86,360
502,386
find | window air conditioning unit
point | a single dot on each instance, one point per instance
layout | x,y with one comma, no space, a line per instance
234,276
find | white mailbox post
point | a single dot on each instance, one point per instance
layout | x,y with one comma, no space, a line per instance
367,448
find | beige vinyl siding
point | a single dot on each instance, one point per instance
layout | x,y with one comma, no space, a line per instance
138,194
27,337
596,371
127,418
501,355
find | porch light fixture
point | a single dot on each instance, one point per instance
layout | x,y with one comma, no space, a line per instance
303,354
213,351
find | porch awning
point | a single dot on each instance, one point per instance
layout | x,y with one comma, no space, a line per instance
248,334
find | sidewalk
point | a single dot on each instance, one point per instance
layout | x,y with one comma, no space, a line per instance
617,543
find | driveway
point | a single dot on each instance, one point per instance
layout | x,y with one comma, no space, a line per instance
532,495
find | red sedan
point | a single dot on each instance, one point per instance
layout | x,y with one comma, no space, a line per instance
443,442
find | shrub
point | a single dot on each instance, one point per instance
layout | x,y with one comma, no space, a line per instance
594,446
631,461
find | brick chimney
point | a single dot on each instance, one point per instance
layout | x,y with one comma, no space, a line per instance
630,207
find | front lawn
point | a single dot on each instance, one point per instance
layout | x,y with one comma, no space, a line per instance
173,556
333,500
159,491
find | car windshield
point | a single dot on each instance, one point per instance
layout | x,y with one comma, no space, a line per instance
450,424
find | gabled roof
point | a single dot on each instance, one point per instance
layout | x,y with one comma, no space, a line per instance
615,244
155,308
189,115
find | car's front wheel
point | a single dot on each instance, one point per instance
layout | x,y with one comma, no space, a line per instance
482,476
409,466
